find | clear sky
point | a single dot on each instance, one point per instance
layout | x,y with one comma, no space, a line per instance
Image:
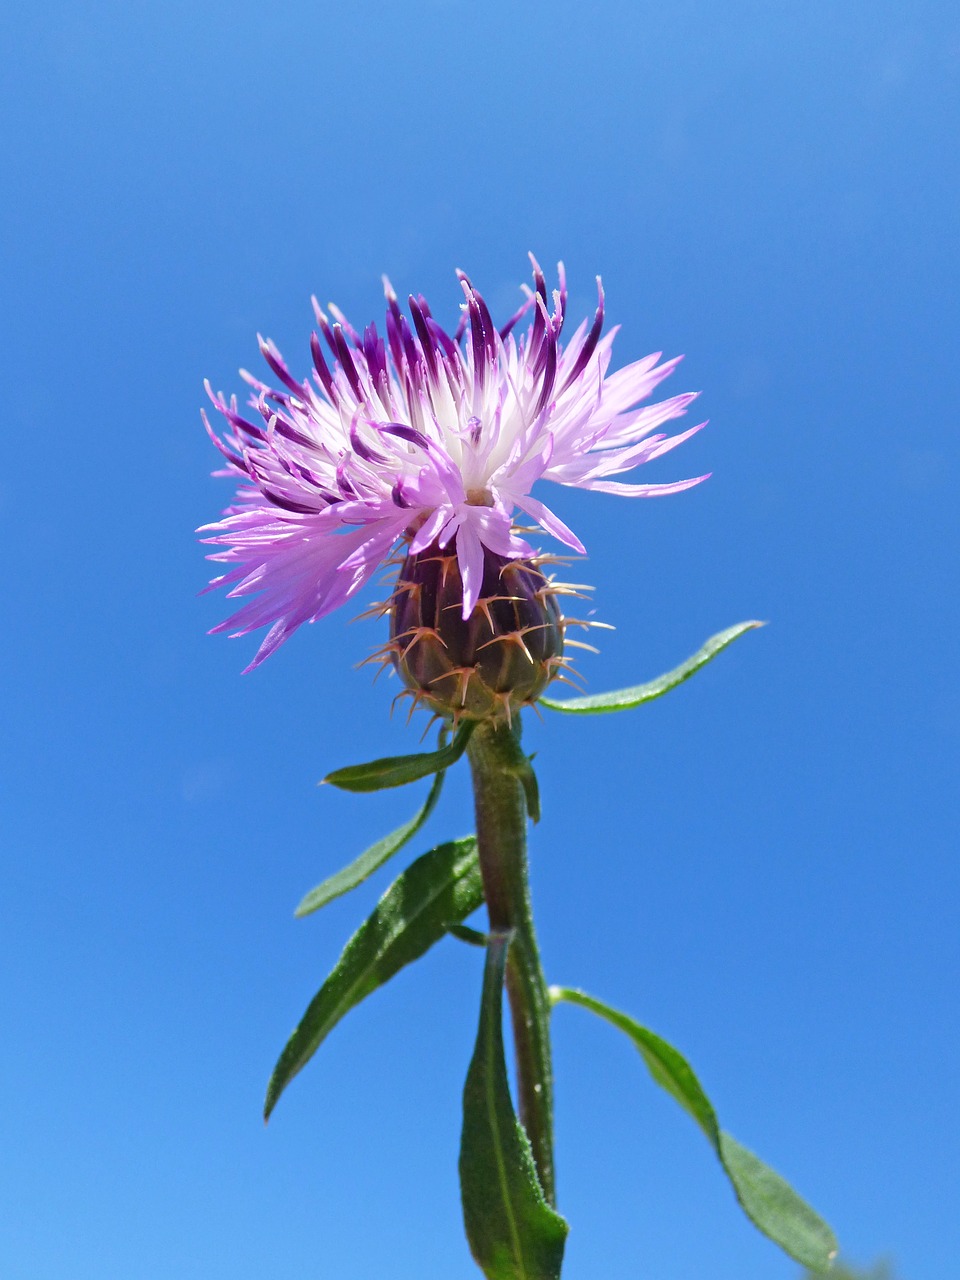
762,867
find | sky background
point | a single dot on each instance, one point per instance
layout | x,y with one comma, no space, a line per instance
762,867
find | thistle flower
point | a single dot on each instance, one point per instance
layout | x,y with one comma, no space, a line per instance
431,441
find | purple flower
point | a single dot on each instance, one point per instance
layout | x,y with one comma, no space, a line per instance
428,437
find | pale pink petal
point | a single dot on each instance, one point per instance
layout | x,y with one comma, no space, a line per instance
429,530
612,461
470,560
552,523
627,427
643,490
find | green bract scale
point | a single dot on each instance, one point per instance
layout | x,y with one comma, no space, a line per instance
489,665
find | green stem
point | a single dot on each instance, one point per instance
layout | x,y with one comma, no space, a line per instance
498,764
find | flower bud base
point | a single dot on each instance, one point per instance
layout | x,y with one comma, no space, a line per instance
486,666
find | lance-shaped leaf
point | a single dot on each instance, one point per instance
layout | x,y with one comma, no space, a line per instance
441,888
371,859
522,769
636,695
397,771
768,1201
474,937
512,1231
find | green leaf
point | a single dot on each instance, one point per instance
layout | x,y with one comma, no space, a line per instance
668,1067
512,1231
371,859
518,763
636,695
531,788
396,771
881,1270
768,1201
773,1206
464,933
442,887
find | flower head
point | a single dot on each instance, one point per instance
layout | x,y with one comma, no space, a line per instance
425,437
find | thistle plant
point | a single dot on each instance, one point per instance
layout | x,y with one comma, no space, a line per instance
419,450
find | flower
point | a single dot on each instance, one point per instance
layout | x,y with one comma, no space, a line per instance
428,437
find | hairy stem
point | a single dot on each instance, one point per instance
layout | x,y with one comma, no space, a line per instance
498,764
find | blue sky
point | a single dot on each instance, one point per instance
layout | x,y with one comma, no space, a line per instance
762,867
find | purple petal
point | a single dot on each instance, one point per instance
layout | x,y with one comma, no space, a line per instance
470,560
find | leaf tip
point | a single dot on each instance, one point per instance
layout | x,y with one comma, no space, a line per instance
274,1090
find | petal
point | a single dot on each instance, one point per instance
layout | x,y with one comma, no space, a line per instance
429,530
470,559
625,428
633,383
612,461
552,523
642,490
496,533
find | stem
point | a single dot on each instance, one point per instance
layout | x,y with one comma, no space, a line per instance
497,763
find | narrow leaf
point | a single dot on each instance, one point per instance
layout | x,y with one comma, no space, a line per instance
772,1205
512,1231
371,859
465,934
668,1067
531,788
636,695
396,771
517,762
768,1201
440,888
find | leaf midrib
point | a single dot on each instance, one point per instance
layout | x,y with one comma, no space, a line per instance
498,1147
393,937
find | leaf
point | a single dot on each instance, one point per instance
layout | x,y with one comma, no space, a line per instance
636,695
440,888
531,788
772,1205
371,859
520,765
768,1201
668,1067
397,771
464,933
513,1233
